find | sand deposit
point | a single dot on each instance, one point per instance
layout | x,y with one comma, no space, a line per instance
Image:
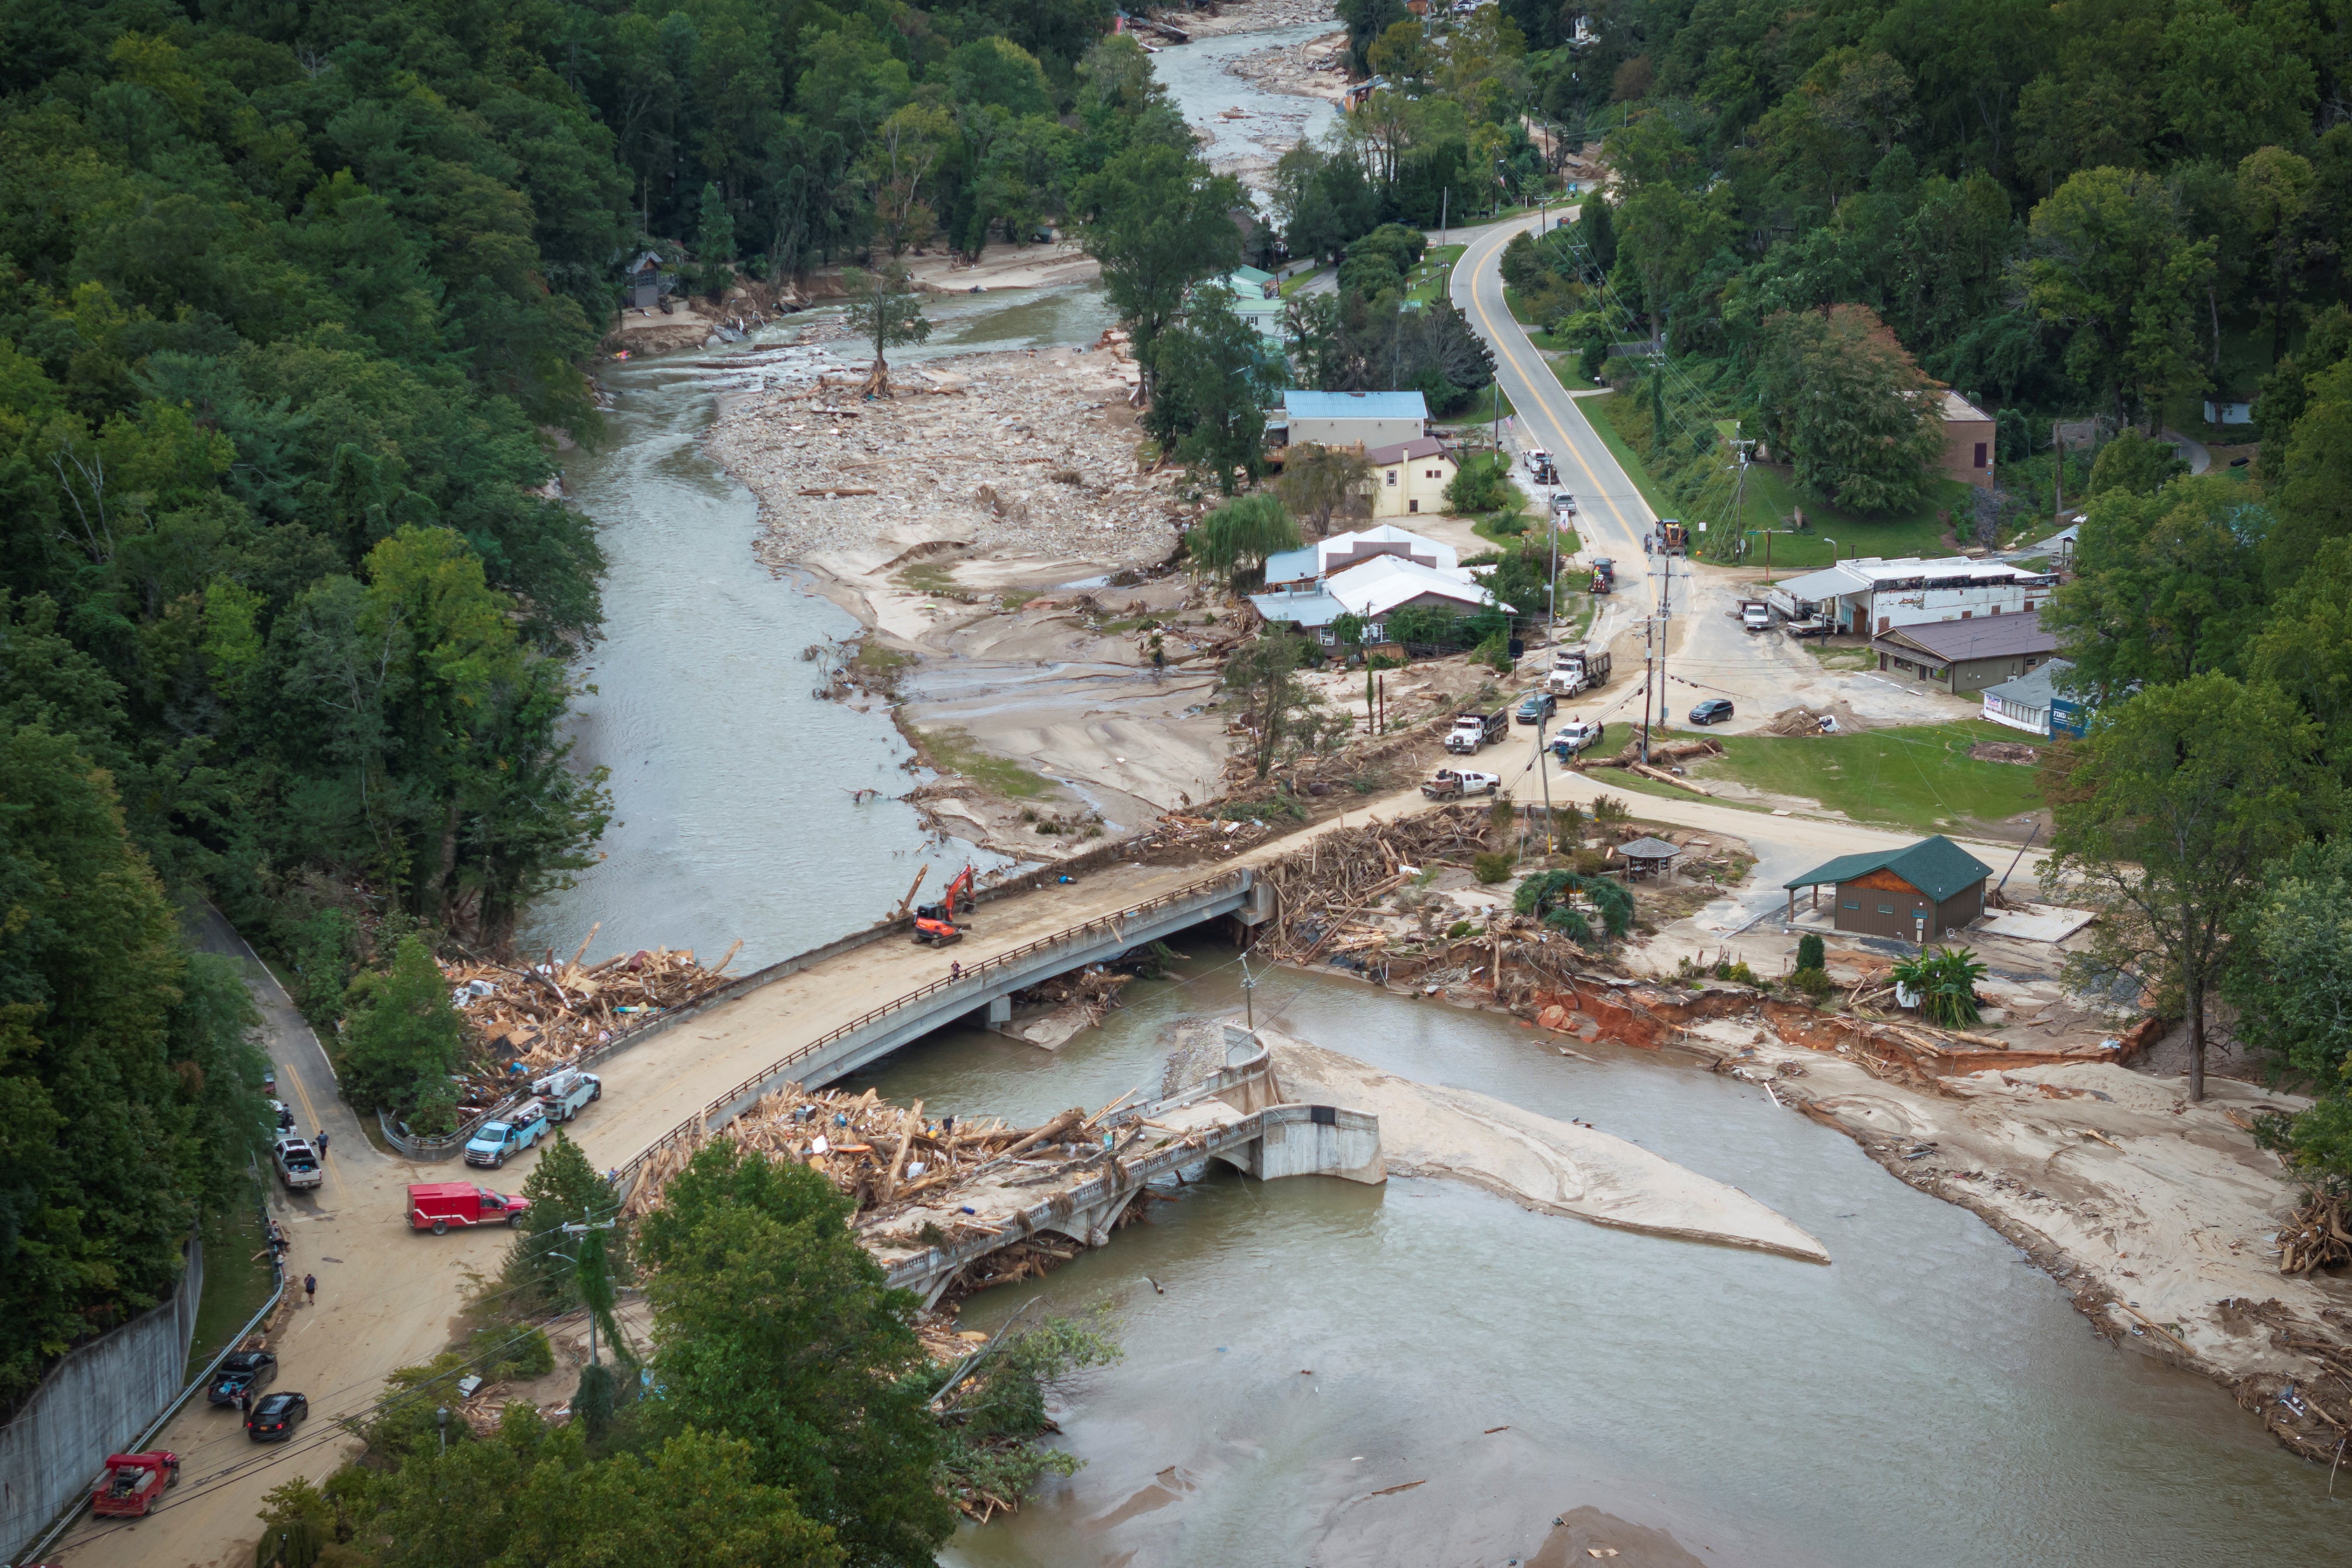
1215,20
1316,68
1552,1167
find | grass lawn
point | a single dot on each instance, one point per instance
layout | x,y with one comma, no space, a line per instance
1772,497
1484,409
1564,368
1921,778
1290,285
235,1283
952,751
1596,409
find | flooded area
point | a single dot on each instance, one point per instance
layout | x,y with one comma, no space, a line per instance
1294,1348
1247,127
1320,1373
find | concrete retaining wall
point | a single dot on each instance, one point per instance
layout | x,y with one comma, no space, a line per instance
101,1395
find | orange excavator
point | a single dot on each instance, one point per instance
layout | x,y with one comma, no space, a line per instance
935,924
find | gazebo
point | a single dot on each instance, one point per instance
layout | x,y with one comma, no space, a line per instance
1649,857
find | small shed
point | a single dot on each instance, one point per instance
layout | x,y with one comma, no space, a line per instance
1930,888
648,280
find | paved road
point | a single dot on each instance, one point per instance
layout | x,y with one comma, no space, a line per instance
387,1299
1612,517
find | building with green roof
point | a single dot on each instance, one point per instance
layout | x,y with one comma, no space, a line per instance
1919,893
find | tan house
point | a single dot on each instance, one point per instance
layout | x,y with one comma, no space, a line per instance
1410,477
1968,442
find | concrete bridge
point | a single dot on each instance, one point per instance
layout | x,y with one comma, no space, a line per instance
828,1046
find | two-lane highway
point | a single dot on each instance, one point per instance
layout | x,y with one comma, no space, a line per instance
1612,517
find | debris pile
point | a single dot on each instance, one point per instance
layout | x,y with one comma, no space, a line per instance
880,1154
545,1014
1013,454
1802,721
2315,1235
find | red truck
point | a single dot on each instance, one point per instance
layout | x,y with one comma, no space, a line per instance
135,1483
436,1206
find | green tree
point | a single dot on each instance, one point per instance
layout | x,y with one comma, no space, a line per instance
772,1325
2136,464
2291,986
714,242
2107,261
900,162
1238,536
885,310
1278,707
1158,223
2166,586
2167,816
563,1189
1212,370
1323,482
403,1038
1859,421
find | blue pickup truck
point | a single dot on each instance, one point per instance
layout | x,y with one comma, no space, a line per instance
494,1143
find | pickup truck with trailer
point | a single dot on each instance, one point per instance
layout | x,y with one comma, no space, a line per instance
1756,615
1576,735
297,1162
567,1092
496,1142
436,1206
1473,730
1579,669
1454,783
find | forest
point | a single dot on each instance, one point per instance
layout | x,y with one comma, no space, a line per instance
294,310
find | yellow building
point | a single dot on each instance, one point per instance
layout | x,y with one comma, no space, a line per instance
1410,477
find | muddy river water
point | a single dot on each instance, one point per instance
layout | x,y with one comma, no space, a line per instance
1292,1349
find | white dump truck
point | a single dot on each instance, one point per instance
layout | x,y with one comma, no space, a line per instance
1473,730
1579,669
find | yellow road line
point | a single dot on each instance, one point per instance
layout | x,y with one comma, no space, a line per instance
1509,352
342,1197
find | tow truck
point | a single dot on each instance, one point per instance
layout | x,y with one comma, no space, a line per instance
135,1483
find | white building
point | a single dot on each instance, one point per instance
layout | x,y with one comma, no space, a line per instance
2027,702
1870,596
1308,564
1370,575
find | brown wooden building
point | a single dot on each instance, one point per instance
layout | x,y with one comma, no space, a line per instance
1915,894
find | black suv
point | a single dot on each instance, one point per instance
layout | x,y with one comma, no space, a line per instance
246,1371
1715,710
275,1417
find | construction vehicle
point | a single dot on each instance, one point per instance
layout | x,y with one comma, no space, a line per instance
960,897
1577,669
135,1483
936,930
1473,729
1671,538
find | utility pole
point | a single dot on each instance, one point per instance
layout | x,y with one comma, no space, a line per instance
1665,627
590,1265
1543,771
2058,469
1444,202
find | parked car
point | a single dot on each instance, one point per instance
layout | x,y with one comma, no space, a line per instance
495,1143
1715,710
274,1417
135,1483
1577,735
1536,707
436,1206
246,1371
297,1162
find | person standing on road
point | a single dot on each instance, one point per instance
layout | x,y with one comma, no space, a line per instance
322,1143
244,1404
311,1288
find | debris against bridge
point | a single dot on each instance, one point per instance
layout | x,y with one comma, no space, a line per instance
942,1202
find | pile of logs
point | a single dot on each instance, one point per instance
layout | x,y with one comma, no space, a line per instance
545,1015
880,1154
2315,1235
1343,873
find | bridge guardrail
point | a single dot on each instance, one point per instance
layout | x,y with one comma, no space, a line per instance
626,1175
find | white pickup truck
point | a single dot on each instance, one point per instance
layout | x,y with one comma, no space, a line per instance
297,1162
1453,783
1756,615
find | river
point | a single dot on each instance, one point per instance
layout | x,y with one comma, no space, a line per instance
1928,1399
